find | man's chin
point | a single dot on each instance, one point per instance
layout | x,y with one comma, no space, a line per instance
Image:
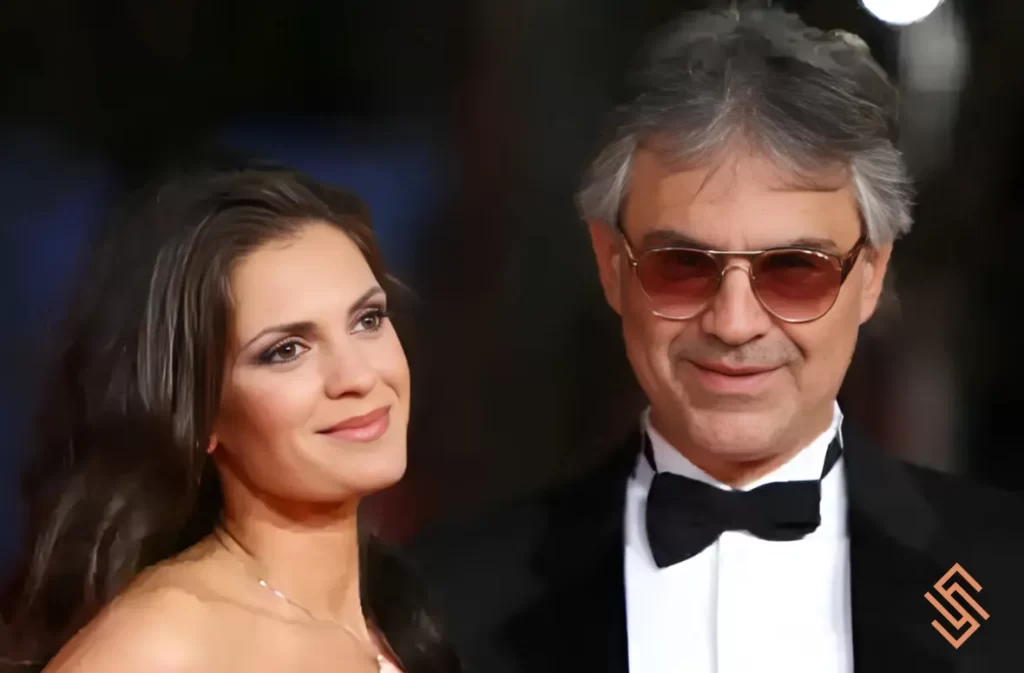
742,435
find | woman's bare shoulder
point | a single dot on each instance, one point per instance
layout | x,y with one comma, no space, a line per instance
157,625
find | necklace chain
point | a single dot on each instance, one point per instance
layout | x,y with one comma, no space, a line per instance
376,655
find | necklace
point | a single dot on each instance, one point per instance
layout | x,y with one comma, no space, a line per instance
377,657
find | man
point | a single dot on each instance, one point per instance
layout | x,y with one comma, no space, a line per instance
743,217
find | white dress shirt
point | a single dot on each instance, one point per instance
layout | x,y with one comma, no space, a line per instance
742,605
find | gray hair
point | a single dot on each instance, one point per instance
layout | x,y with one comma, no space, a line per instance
805,98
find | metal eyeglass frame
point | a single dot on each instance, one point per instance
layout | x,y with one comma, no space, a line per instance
843,263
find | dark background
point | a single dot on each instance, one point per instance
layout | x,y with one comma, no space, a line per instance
465,125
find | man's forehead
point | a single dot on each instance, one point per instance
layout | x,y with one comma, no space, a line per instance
657,238
739,190
738,167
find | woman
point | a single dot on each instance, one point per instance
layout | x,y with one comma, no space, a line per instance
232,387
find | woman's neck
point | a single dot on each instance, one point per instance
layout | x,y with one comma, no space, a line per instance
309,555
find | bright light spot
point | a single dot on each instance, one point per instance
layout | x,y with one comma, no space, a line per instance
901,12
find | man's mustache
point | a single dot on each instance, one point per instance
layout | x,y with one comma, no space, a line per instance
755,354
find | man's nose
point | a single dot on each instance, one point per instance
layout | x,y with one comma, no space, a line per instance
735,315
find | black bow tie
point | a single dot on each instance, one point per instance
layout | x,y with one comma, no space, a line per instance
685,516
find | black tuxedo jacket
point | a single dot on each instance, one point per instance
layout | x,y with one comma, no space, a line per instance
539,586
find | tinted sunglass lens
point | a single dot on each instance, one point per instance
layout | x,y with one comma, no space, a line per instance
796,285
679,283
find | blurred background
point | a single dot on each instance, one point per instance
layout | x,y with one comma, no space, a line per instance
465,125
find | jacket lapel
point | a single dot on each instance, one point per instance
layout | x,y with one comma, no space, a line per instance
578,622
897,553
895,557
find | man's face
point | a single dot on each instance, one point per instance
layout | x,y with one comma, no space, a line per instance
744,202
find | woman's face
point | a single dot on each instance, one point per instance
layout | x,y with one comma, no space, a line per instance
316,396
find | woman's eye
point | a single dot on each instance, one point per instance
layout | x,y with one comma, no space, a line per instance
285,352
372,320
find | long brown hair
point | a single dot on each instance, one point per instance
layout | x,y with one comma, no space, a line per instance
119,479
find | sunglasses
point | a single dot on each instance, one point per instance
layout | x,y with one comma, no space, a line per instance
793,284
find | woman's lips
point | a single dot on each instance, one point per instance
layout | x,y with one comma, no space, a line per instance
364,428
